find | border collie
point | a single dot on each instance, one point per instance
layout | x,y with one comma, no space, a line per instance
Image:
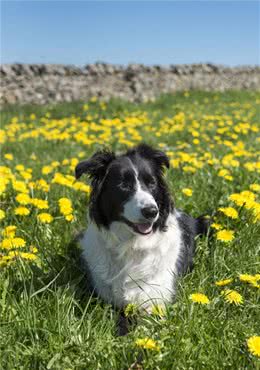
137,243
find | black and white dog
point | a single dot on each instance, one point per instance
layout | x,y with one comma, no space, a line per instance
136,243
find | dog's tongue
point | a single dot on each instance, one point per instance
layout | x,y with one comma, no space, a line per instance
144,228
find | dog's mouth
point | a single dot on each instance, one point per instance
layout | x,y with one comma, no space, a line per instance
144,228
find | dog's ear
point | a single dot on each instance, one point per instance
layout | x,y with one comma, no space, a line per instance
159,157
95,166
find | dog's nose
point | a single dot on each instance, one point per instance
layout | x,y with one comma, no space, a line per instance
149,212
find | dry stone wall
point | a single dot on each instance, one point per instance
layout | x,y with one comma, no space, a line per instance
48,83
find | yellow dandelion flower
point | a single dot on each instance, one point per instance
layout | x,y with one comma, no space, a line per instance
175,163
6,243
26,175
33,249
23,199
45,218
81,154
254,187
40,203
243,198
64,202
247,278
65,206
147,343
216,226
9,231
229,212
20,186
189,169
69,217
187,191
2,214
43,185
254,345
248,194
225,235
66,210
19,167
9,156
9,243
225,174
18,242
65,161
28,256
46,170
251,279
21,211
231,296
199,298
223,282
131,309
228,177
82,187
254,284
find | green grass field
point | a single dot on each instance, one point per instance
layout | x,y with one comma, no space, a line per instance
47,320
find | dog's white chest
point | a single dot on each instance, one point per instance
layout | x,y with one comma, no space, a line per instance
141,270
148,280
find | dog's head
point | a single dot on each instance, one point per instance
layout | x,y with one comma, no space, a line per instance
129,188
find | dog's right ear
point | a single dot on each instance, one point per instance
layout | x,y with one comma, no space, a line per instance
95,166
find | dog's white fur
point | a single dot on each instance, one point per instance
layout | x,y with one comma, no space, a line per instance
131,268
141,199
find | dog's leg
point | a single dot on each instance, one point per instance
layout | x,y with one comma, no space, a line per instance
122,324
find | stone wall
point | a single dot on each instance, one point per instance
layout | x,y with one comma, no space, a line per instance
48,83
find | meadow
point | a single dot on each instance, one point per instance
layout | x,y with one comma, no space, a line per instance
47,320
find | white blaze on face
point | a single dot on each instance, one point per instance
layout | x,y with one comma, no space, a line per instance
140,199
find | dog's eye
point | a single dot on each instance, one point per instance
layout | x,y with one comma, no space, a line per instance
126,181
150,181
124,185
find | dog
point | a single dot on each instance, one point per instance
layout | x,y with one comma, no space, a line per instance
137,243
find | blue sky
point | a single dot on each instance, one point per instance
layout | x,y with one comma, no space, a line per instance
150,32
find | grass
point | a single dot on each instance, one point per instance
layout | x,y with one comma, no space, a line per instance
48,321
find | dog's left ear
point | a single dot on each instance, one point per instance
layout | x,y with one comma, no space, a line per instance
159,157
95,166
